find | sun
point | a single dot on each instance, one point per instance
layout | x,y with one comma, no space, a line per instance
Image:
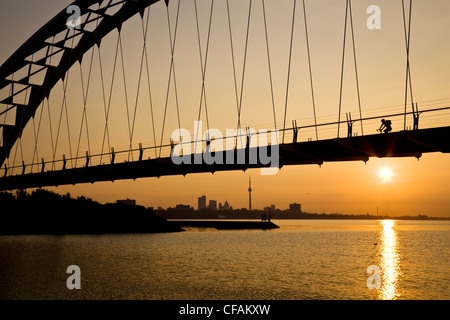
385,174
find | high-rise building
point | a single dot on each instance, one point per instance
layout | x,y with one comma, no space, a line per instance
212,205
295,208
225,207
201,202
249,194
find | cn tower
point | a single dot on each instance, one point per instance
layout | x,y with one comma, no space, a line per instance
249,194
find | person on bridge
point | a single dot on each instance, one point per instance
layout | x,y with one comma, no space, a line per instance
385,126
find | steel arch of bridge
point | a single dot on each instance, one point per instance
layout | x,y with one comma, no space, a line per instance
93,13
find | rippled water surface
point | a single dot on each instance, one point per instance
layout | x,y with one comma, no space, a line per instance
304,259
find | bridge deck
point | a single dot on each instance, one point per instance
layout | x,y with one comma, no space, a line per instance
396,144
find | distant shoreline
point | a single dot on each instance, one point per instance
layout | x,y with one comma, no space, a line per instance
332,218
278,215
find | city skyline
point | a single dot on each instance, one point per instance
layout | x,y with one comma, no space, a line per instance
213,204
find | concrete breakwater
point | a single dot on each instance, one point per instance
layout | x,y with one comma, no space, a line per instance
224,225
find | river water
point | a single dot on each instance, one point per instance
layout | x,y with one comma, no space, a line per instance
304,259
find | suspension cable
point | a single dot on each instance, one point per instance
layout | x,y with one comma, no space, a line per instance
17,145
36,134
172,70
289,69
144,30
85,96
232,57
244,65
408,67
105,133
125,88
356,65
145,33
137,95
5,113
64,85
49,114
269,65
105,108
342,70
21,122
203,65
65,81
35,151
68,130
50,126
310,69
409,46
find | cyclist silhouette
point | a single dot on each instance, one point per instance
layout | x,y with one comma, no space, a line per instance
385,126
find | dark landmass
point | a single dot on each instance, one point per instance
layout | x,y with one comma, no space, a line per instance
45,212
208,214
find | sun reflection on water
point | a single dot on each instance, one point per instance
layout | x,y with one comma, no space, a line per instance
390,260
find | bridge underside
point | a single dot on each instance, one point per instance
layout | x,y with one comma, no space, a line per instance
397,144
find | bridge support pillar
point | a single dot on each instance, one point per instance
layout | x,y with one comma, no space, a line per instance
113,155
416,114
248,137
295,129
141,152
349,125
208,140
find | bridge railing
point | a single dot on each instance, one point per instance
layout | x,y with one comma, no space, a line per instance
429,118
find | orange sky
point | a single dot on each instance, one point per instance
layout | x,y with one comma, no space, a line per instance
416,187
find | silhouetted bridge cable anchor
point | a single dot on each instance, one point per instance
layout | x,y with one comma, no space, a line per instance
48,60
